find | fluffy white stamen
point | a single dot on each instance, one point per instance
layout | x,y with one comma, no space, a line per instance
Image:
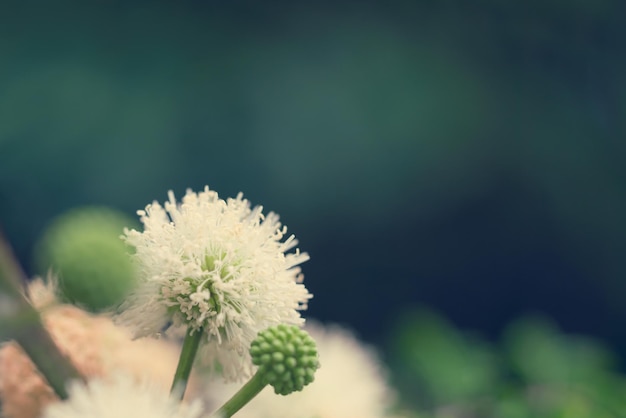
215,266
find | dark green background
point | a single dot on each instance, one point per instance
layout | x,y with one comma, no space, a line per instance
468,156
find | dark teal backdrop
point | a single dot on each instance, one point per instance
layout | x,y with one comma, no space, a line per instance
467,156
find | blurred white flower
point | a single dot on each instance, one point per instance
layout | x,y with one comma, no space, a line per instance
351,383
214,266
120,397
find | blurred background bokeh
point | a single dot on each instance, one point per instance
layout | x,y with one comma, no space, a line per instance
468,157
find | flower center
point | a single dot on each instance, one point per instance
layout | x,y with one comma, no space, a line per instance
200,298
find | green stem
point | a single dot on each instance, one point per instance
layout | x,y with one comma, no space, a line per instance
185,362
43,352
242,397
21,322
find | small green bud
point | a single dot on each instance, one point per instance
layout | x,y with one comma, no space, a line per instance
84,248
286,356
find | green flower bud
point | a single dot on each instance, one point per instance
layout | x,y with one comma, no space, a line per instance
83,247
286,356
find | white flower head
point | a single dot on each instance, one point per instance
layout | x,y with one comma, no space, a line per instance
214,266
120,397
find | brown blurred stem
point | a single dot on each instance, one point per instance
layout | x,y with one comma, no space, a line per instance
19,321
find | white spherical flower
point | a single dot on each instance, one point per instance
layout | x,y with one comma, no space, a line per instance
214,266
120,397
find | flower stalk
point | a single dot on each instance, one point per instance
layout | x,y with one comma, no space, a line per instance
244,395
19,321
185,362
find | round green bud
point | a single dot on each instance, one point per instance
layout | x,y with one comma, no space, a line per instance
83,247
286,356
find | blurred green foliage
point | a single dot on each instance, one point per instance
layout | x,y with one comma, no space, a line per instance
82,250
537,371
447,367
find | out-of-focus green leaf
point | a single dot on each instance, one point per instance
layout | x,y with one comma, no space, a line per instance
540,353
446,364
